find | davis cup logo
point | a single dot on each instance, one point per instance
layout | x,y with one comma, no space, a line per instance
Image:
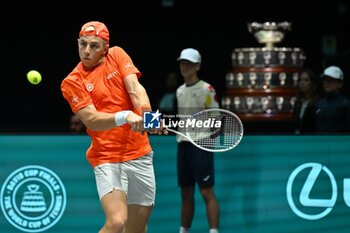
33,198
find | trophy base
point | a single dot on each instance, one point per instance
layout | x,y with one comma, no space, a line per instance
260,104
266,116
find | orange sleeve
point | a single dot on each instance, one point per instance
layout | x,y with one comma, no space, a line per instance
76,94
124,63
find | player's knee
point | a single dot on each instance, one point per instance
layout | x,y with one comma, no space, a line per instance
136,228
207,193
142,230
187,193
116,223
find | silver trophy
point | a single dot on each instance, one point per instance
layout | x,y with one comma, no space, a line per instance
282,77
295,79
279,102
250,102
233,58
294,56
252,57
240,78
281,57
252,78
269,33
240,58
230,80
264,102
292,103
226,102
267,78
237,102
267,57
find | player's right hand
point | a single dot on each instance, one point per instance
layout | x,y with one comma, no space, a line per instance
136,122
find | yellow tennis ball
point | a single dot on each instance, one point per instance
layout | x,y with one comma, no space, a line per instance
34,77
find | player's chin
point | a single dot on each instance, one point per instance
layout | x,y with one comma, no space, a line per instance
88,63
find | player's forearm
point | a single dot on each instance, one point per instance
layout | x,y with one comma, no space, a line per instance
139,99
99,121
95,120
137,93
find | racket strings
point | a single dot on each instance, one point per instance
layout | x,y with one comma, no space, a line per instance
224,131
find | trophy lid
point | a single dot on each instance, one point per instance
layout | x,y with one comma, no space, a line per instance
269,33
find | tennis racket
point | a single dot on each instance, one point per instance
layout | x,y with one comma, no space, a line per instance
213,130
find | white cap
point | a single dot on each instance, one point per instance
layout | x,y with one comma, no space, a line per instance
333,72
191,55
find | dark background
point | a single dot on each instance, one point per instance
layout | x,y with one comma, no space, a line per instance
44,38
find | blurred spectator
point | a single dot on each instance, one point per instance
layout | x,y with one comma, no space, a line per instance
307,97
333,110
75,125
168,102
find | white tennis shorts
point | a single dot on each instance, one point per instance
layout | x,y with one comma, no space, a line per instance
134,177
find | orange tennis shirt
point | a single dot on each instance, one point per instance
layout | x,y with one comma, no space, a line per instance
104,88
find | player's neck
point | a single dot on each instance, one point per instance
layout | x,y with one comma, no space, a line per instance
89,68
191,80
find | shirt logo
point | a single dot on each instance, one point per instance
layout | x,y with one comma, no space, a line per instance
128,65
89,87
151,120
111,75
33,198
75,99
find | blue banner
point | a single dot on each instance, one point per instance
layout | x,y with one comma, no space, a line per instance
266,184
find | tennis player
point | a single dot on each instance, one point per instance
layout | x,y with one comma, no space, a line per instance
104,92
195,165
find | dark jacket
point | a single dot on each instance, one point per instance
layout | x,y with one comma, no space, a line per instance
307,124
333,114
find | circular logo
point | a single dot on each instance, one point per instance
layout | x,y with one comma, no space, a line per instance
33,198
304,196
89,87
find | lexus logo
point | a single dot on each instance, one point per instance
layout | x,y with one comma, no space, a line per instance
326,205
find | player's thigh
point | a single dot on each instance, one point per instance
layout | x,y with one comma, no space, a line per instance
204,168
141,181
115,206
185,176
138,216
